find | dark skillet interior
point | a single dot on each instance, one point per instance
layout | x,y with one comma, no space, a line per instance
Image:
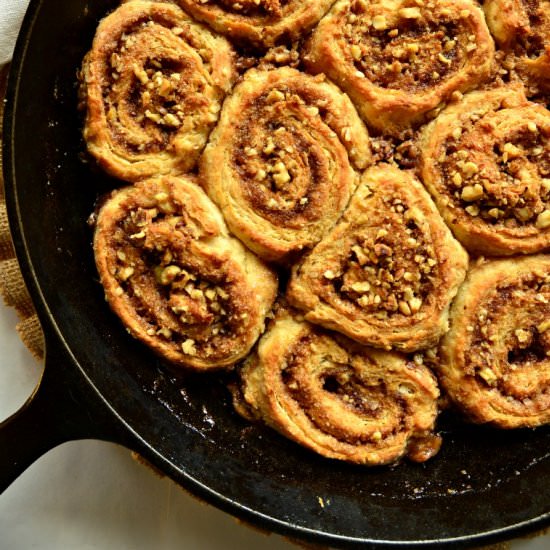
482,481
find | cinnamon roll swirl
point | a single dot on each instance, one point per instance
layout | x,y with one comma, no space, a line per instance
152,87
387,272
522,28
400,59
175,277
486,162
495,359
340,399
280,163
260,22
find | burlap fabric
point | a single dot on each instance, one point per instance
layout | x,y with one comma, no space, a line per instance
12,286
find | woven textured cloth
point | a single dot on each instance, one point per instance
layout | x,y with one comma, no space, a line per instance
12,286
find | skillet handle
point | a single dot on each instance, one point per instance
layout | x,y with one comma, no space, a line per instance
56,412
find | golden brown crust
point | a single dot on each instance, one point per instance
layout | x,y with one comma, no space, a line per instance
400,59
538,71
175,277
522,29
280,163
387,272
340,399
152,85
260,22
486,162
495,360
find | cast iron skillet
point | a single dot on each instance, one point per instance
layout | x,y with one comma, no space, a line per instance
98,382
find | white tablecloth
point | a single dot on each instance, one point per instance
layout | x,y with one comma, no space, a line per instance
11,15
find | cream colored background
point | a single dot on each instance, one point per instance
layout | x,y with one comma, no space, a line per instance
11,15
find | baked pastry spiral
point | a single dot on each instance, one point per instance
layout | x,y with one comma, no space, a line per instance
486,162
340,399
387,272
176,279
260,22
495,359
400,59
280,163
522,27
152,86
